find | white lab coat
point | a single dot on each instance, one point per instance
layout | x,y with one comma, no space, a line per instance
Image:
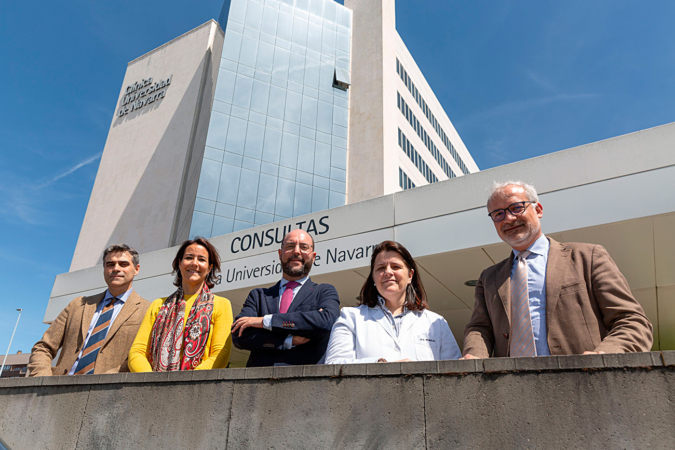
364,335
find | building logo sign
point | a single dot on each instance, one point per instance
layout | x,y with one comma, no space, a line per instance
273,236
334,255
143,93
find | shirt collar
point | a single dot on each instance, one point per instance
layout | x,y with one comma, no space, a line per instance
539,247
284,282
122,298
382,304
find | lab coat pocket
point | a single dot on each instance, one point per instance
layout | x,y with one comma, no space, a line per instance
426,347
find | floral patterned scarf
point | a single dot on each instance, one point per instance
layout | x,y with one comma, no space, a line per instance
169,339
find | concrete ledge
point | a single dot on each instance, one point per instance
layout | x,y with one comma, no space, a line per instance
499,365
455,367
425,405
419,368
571,362
668,358
536,364
460,366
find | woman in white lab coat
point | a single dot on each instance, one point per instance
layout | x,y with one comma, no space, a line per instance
393,322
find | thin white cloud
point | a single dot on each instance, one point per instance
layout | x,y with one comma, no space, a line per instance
21,199
541,81
70,171
511,108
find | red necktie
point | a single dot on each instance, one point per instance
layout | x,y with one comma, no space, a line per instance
287,296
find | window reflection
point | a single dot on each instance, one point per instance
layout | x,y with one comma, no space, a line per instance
217,130
229,186
309,110
277,137
277,102
242,92
260,96
254,15
232,45
282,58
319,199
306,155
269,21
285,196
208,180
225,86
303,199
265,57
254,140
201,224
267,191
272,146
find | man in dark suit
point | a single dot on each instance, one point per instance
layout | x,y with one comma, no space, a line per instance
549,298
95,333
290,322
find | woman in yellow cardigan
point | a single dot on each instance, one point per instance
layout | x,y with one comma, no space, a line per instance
190,329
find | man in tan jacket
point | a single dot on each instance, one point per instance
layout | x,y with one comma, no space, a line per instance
549,298
95,333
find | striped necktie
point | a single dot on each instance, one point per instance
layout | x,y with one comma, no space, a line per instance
85,365
522,338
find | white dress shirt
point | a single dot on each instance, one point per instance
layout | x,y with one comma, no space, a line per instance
536,291
267,319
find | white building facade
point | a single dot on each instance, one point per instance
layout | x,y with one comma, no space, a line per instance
283,108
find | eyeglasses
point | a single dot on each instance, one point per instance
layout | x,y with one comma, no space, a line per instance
304,248
516,209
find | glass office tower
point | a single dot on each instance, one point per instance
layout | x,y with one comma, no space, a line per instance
277,139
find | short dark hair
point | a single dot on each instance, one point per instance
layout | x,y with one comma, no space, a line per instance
415,295
214,260
122,248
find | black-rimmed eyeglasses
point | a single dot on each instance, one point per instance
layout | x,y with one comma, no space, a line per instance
516,209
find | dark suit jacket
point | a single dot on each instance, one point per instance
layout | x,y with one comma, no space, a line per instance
302,319
70,329
589,306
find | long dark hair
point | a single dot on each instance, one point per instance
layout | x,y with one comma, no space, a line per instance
214,260
415,295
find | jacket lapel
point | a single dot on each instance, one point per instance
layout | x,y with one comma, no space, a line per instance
377,315
503,284
273,299
556,266
302,295
130,307
409,320
88,313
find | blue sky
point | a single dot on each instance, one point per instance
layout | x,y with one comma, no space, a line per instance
518,79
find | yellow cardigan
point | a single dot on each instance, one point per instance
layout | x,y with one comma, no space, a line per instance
218,346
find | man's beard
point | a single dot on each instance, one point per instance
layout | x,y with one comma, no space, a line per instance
301,271
524,235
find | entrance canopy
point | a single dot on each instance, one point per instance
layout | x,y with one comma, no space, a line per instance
619,193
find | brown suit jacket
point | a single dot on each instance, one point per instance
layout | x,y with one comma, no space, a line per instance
70,329
589,306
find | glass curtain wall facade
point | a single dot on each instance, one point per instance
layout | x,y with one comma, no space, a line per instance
277,141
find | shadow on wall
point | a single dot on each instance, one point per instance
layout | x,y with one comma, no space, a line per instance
151,216
147,108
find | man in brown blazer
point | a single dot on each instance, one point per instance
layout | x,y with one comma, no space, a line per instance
573,298
95,333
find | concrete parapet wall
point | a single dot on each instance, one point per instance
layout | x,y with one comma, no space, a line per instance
596,401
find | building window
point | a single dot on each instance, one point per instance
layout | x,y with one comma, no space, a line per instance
414,123
430,117
415,157
404,180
